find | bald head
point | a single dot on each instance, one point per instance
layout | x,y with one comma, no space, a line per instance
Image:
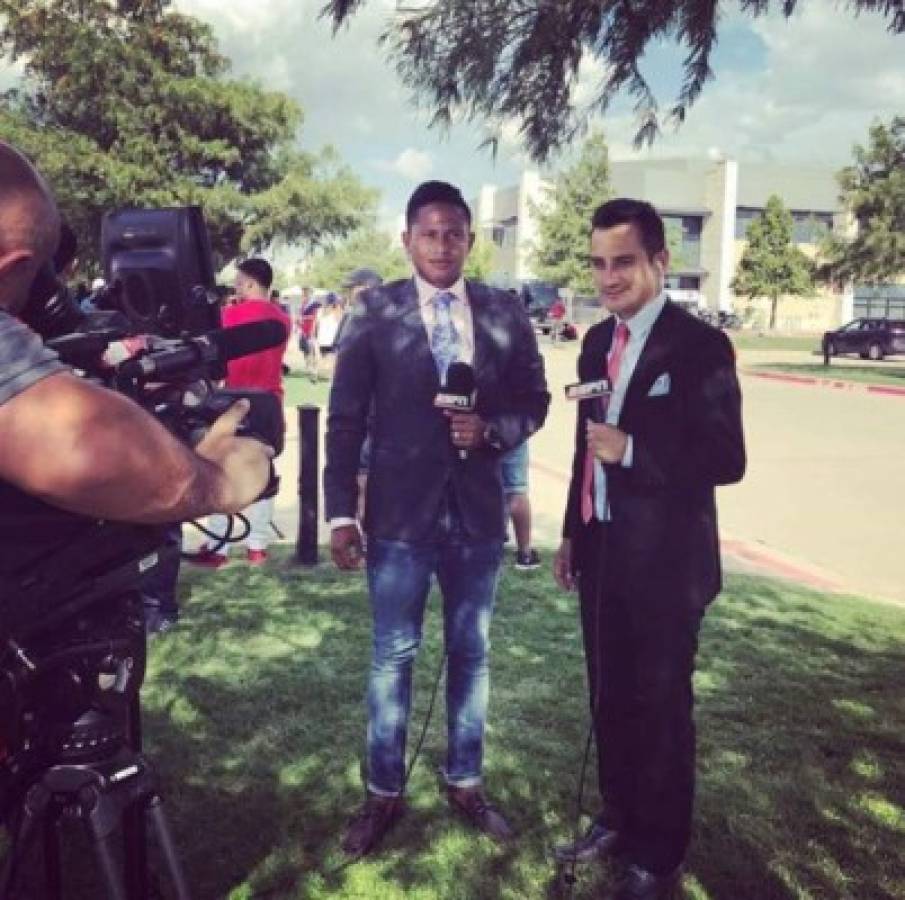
29,226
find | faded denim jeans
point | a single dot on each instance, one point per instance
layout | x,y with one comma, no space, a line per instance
399,579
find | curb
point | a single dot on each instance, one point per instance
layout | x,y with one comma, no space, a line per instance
888,390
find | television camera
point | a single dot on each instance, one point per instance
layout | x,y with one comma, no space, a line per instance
72,639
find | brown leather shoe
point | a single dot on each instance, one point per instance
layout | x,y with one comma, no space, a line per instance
368,826
473,806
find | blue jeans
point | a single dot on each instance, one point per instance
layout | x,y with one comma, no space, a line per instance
399,578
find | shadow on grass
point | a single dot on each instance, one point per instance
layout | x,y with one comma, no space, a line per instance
254,718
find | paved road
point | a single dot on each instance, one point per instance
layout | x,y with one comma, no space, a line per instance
823,500
825,482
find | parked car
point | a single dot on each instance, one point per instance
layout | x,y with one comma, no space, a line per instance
538,297
869,338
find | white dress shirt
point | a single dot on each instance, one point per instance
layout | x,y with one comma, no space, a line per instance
459,313
639,328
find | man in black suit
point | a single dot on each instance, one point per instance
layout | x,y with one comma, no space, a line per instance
434,493
640,540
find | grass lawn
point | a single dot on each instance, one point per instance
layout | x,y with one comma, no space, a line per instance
755,340
254,717
886,372
301,390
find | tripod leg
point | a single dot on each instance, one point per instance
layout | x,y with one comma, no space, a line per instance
103,848
52,866
34,808
135,851
168,847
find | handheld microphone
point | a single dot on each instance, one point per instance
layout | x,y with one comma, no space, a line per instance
598,392
458,394
215,347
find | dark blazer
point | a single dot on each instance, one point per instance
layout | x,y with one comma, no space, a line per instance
686,440
385,366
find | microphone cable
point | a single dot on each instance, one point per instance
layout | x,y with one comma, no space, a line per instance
220,540
569,869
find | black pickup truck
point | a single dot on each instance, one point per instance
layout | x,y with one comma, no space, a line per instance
869,338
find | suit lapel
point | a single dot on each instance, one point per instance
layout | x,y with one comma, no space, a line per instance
411,342
592,362
480,323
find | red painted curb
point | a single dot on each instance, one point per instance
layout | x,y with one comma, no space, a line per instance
863,387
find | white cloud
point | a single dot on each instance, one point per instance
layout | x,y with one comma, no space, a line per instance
415,165
826,75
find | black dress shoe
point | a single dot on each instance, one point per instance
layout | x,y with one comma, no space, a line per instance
598,841
639,884
367,828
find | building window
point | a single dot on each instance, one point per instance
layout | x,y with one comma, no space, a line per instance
809,225
683,282
744,216
683,238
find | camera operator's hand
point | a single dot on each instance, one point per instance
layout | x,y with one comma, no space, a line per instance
243,462
85,449
345,547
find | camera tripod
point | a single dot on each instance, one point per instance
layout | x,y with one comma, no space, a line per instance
116,795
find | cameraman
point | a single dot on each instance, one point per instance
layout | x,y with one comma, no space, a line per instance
76,445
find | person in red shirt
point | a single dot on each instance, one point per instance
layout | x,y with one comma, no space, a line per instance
557,316
261,371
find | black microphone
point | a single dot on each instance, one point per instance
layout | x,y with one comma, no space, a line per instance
215,347
458,394
598,392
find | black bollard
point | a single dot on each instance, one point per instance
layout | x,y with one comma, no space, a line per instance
309,428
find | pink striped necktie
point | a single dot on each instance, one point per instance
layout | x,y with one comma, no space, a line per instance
620,339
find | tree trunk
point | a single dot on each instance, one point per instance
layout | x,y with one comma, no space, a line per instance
773,303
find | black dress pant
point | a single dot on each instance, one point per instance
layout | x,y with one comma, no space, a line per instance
640,648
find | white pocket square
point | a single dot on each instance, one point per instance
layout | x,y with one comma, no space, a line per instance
660,387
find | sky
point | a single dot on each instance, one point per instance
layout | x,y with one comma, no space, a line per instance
799,91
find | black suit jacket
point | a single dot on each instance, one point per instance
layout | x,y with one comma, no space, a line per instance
686,441
386,381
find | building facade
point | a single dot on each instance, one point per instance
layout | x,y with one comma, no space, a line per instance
707,207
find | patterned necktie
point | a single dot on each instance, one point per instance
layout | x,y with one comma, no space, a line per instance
620,339
444,338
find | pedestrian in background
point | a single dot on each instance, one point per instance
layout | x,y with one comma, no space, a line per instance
261,371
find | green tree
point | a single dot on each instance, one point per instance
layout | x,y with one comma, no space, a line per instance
564,220
873,191
680,258
519,59
126,102
479,265
772,266
366,247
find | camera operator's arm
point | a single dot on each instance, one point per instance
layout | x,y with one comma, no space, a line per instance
91,451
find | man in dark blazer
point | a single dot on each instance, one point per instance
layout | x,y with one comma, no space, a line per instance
434,505
640,540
